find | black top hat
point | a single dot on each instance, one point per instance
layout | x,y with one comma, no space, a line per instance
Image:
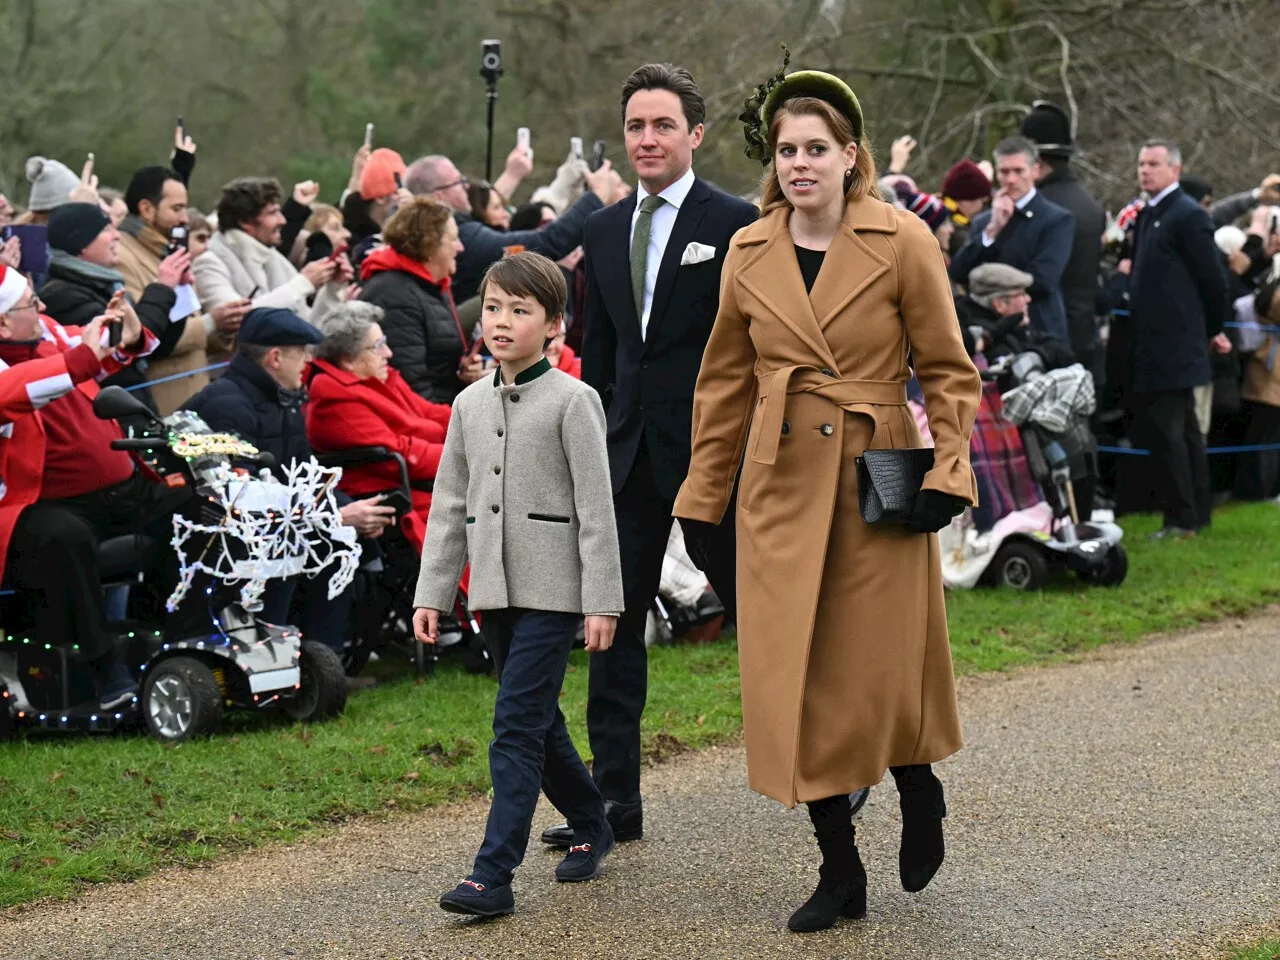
1049,127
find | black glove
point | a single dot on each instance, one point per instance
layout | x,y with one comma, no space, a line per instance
697,540
933,511
182,163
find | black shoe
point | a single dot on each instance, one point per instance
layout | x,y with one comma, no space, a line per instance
923,809
1173,533
116,686
475,899
585,859
626,819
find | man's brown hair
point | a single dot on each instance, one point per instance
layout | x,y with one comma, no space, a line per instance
677,80
529,275
417,229
244,199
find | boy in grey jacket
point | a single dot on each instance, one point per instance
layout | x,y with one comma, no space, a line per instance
523,492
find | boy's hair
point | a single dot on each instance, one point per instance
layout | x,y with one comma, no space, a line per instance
531,275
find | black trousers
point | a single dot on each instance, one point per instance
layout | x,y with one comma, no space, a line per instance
1258,473
54,555
1165,423
619,680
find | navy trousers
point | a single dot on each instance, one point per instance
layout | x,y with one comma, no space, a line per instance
531,747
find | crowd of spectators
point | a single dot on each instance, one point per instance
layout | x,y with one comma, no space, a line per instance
354,323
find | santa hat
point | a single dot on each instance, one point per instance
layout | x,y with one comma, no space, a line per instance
12,286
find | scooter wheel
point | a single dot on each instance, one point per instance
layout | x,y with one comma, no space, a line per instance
1112,571
180,700
1021,566
322,690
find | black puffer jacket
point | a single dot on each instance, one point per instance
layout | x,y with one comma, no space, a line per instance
74,300
426,340
247,402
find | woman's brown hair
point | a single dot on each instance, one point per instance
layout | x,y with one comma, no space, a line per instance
417,229
862,182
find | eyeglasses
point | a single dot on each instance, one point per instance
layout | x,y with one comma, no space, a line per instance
36,304
460,182
377,345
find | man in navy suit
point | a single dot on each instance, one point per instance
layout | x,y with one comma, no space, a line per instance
653,289
1177,303
1025,231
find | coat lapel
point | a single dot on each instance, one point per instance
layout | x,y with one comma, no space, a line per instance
688,219
850,266
774,279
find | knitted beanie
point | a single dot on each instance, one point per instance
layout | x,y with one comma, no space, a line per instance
379,177
51,183
928,208
73,226
966,181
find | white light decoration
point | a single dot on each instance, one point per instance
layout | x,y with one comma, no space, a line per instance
269,529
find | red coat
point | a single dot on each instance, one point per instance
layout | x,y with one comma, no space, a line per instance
570,363
24,389
345,411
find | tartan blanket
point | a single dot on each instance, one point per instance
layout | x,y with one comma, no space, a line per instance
1005,484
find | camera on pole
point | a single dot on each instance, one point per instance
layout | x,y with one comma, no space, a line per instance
490,70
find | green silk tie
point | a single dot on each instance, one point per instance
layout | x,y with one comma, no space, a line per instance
640,252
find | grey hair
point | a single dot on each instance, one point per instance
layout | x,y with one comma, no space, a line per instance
345,330
1175,154
1014,145
424,175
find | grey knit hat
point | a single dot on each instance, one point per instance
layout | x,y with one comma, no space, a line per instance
997,279
51,183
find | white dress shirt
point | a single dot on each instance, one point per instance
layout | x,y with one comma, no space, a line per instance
1155,201
1017,205
664,220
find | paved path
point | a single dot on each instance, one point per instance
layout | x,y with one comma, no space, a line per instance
1124,807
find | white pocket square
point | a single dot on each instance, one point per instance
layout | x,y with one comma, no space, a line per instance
697,253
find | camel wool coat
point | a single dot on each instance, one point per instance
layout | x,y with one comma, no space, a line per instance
842,628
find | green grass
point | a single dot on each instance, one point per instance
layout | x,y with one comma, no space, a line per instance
75,811
1265,950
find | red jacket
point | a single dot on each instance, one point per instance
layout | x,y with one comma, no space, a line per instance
24,389
345,411
570,363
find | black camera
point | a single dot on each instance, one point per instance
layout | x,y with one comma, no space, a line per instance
177,240
491,60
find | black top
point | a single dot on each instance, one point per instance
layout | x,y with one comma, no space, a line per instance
810,264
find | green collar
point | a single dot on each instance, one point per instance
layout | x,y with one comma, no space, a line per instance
524,376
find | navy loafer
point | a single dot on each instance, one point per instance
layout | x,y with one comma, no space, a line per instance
475,899
585,860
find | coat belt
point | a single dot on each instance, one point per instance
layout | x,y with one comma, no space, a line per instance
846,394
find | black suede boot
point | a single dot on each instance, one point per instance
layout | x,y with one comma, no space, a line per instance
923,807
842,882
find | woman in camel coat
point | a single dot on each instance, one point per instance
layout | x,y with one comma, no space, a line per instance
828,302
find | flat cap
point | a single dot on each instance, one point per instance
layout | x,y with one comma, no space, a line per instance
994,279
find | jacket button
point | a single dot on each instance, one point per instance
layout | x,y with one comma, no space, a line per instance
499,431
515,398
786,428
495,508
827,429
497,470
827,372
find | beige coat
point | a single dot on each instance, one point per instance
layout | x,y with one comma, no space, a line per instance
842,630
140,258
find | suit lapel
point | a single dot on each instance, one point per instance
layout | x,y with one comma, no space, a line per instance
614,270
688,219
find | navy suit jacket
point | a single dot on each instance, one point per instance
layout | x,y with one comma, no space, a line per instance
1178,295
646,385
1036,240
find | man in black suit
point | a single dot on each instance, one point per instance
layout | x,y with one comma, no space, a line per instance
653,288
1048,126
1177,303
1026,231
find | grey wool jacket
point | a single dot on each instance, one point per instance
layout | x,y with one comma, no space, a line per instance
523,491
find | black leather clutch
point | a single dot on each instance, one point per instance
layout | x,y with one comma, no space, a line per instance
889,482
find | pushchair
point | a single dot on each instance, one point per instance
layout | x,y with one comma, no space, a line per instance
382,614
1062,455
